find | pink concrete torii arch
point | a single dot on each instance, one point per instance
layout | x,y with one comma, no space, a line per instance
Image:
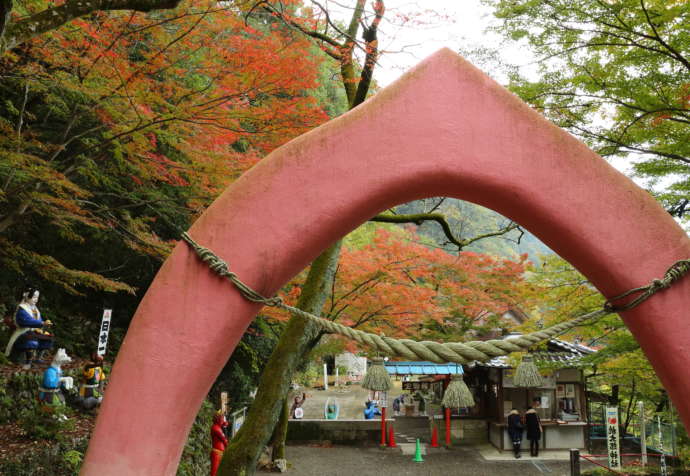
443,129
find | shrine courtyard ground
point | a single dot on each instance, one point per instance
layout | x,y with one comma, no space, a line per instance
358,461
325,459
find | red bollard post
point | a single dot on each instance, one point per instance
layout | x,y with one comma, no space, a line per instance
434,437
448,427
383,426
391,438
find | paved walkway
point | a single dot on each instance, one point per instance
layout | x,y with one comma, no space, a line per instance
372,461
484,460
351,398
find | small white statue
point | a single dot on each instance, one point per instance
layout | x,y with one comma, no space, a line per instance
53,381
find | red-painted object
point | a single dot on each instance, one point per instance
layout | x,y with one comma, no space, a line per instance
391,438
383,426
447,412
218,441
443,129
434,437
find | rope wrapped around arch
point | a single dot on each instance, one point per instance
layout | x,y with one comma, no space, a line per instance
458,352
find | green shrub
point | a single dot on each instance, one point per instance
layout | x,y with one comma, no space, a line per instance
62,459
308,376
196,454
42,422
73,459
17,393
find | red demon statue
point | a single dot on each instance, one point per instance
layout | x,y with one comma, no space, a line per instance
219,440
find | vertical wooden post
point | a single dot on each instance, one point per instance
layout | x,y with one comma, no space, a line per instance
224,402
574,462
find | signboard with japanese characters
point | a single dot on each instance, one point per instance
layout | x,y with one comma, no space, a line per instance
416,385
612,440
104,331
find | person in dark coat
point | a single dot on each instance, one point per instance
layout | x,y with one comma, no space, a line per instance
533,424
515,429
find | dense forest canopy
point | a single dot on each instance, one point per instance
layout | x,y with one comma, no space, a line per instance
614,73
119,130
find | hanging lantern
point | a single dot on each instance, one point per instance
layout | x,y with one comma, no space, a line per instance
527,374
457,394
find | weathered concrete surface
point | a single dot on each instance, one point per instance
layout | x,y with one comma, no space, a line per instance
354,432
443,129
349,461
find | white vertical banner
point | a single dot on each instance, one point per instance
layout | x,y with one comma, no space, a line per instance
662,461
104,331
612,437
325,377
643,433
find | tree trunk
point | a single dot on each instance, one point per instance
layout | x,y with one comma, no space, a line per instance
280,433
613,398
629,411
299,337
15,33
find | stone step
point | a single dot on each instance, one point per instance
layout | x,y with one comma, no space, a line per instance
410,448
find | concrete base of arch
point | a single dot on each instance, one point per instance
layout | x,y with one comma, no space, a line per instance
443,129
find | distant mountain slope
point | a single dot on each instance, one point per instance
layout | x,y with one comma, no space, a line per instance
467,220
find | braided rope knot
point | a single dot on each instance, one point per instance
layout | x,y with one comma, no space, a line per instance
275,301
676,271
221,267
660,284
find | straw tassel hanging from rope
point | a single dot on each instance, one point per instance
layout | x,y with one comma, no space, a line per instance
377,378
527,374
457,395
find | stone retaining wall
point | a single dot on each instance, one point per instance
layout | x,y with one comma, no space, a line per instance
336,431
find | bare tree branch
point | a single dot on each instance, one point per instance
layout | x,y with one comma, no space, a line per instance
371,46
419,218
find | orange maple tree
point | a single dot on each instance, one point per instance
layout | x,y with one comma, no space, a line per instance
401,287
130,124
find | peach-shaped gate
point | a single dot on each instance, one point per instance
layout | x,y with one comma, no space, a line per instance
443,129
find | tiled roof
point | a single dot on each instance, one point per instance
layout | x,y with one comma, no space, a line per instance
566,353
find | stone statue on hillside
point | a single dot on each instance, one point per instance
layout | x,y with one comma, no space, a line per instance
29,336
91,390
218,440
53,383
